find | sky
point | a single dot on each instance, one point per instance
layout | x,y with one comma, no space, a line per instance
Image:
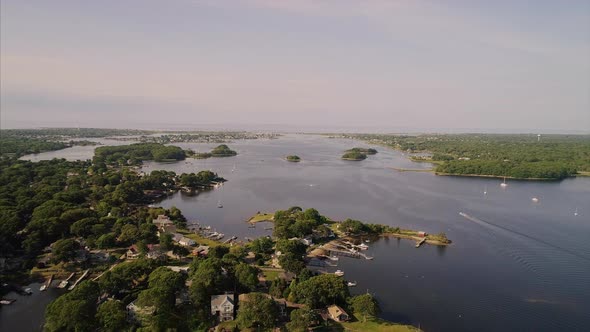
392,65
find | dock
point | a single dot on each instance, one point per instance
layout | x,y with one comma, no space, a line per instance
65,282
79,279
419,243
230,240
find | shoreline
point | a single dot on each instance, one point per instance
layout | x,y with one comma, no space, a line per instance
497,177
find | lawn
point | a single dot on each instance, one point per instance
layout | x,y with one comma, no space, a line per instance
260,217
378,325
199,239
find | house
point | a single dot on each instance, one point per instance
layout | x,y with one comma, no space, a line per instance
185,241
337,314
201,251
154,252
307,241
137,314
223,307
132,252
99,256
162,220
422,234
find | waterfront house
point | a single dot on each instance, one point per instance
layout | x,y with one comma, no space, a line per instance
222,306
162,220
132,253
183,240
337,314
137,314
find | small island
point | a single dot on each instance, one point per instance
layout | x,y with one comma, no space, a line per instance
354,156
293,158
220,151
367,151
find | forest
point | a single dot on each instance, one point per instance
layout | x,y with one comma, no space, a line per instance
519,156
136,153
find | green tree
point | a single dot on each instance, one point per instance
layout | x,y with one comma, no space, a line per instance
258,311
247,276
365,305
74,311
302,319
64,250
111,316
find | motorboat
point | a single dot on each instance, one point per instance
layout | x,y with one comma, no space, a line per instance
339,273
351,283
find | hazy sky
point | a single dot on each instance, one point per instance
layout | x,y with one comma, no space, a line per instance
504,64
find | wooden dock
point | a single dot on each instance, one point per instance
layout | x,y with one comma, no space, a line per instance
419,243
79,279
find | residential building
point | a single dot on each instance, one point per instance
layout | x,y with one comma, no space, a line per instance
223,306
337,314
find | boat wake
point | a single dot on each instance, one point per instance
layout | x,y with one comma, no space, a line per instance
483,222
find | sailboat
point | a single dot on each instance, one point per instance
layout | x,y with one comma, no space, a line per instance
504,184
485,190
576,212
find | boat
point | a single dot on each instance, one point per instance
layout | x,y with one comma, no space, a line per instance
363,246
367,241
63,284
504,184
219,204
351,283
535,200
485,190
339,273
576,212
43,288
7,301
27,291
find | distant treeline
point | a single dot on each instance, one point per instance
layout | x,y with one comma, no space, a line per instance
136,153
519,156
22,146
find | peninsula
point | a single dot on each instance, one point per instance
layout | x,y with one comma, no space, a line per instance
293,158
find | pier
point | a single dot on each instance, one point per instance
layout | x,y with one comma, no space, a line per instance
79,279
419,243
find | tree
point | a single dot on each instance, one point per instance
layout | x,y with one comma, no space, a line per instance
64,250
257,311
166,241
111,316
278,287
106,241
247,276
129,234
302,319
320,291
74,311
365,305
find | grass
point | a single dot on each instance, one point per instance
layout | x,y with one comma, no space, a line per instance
260,217
199,239
378,325
270,273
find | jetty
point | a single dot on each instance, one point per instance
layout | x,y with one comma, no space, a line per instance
65,282
230,240
46,284
419,243
79,279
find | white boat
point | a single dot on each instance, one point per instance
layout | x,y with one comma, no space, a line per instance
363,246
219,204
63,284
367,241
576,212
535,200
485,190
28,291
351,283
43,287
339,273
504,184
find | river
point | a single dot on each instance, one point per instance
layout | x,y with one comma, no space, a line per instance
516,265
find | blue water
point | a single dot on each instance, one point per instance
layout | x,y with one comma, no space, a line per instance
515,266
